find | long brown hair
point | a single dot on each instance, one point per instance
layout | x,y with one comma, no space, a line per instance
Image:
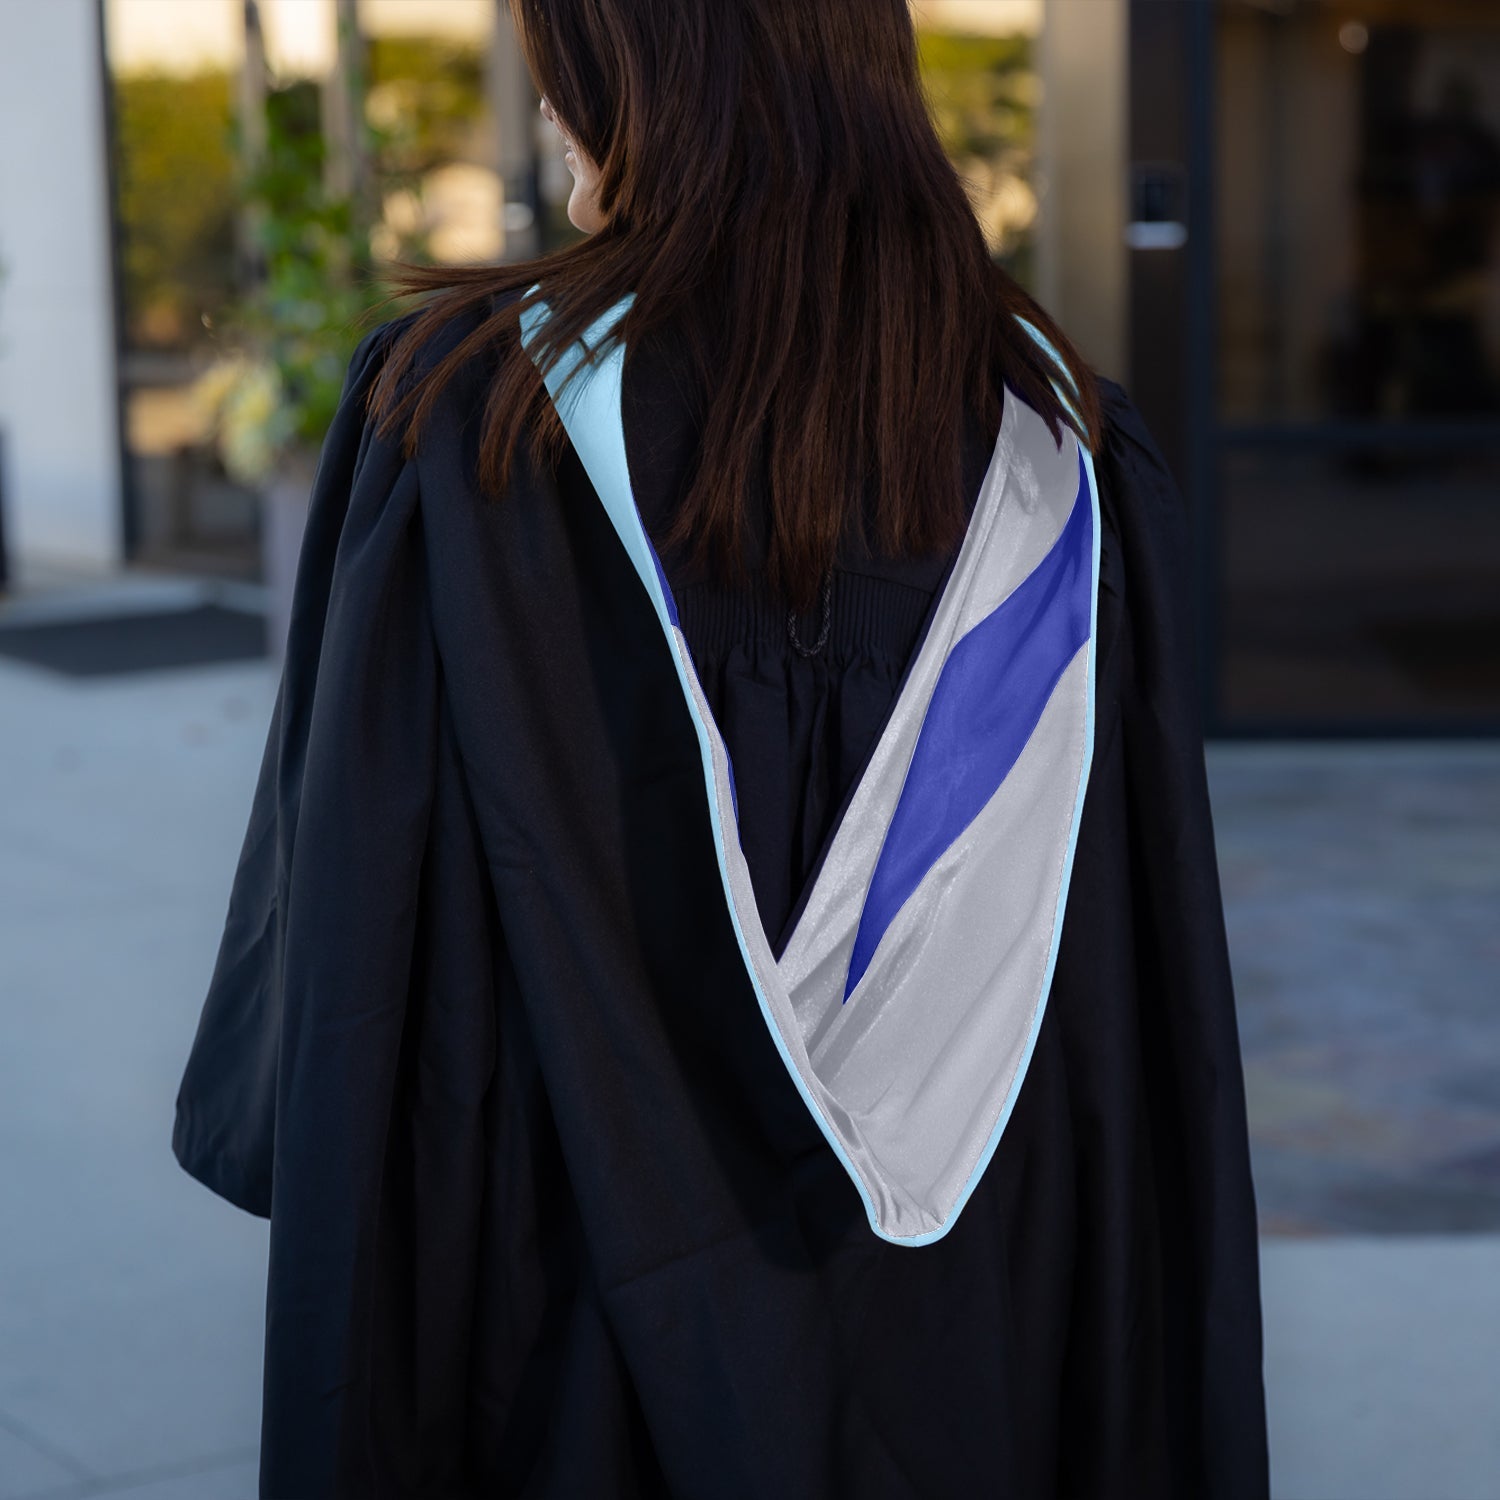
775,189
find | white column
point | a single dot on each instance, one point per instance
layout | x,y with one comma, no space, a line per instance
1082,264
62,481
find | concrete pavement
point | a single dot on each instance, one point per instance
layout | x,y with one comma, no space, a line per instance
131,1298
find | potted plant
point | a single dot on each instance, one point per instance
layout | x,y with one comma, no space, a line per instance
268,401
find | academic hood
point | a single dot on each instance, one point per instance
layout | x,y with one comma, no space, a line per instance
907,1003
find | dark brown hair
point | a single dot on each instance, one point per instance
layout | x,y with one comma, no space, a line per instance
773,188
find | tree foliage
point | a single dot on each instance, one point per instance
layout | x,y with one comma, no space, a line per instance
175,170
983,93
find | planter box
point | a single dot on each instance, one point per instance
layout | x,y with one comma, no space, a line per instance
284,505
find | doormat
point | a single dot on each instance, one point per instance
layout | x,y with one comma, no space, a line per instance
1455,662
113,645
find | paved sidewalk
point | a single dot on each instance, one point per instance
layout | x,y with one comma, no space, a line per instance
1362,893
1383,1367
131,1298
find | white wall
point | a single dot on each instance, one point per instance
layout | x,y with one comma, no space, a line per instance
62,482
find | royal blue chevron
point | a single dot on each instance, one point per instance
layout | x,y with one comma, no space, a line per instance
986,703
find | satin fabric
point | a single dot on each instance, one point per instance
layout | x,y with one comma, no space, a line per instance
548,1217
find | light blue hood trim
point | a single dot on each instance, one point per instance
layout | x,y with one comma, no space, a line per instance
907,1003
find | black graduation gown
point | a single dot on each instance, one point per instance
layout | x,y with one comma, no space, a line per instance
548,1216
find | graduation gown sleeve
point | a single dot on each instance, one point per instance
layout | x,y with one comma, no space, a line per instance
225,1124
358,914
1153,811
1188,1019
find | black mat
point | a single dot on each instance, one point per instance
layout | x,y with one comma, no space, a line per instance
1455,661
113,645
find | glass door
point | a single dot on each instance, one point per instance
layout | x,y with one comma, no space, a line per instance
1354,457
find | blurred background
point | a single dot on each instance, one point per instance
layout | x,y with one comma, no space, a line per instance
1275,222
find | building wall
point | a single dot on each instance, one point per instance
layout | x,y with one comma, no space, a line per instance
58,403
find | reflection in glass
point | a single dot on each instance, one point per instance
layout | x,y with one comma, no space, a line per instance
1358,437
1360,588
1359,210
178,88
979,69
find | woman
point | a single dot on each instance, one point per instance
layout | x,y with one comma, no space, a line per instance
725,992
